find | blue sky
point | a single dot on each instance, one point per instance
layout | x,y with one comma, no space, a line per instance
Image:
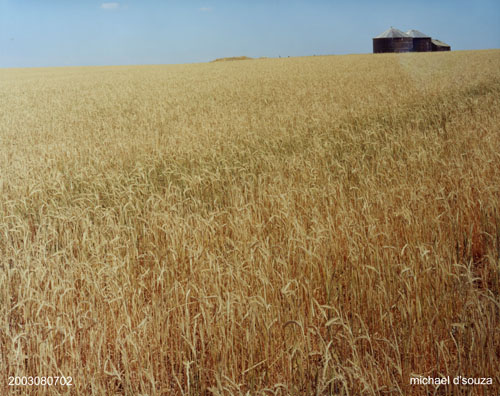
36,33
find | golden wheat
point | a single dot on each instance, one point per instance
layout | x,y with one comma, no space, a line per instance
303,226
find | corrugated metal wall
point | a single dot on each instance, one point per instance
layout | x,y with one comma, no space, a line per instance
422,44
393,44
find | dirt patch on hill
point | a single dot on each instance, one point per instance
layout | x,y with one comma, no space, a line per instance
234,58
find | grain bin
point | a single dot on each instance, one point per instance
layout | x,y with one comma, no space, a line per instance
392,40
421,41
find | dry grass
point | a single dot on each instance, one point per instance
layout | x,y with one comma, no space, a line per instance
308,226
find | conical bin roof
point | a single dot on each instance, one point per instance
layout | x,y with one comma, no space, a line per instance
416,34
391,33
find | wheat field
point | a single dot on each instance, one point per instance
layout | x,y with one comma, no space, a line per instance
323,225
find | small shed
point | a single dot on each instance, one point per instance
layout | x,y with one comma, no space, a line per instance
392,40
421,42
438,45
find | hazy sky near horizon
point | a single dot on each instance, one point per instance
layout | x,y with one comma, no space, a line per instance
36,33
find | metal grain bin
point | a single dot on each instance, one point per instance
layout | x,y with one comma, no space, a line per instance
421,41
392,40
